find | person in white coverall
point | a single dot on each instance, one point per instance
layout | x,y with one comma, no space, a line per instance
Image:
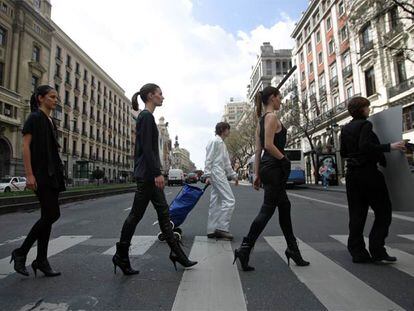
218,171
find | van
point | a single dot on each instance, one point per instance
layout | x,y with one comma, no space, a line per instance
175,176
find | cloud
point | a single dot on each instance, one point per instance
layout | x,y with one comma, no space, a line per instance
198,66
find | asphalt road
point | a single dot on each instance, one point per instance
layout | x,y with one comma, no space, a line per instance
83,238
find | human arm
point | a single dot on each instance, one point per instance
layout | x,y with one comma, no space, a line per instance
271,126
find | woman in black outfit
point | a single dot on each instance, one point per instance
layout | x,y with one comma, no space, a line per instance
272,170
44,175
150,184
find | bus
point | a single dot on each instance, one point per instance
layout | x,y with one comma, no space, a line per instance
297,173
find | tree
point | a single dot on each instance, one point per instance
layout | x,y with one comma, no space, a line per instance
362,12
297,118
98,174
241,141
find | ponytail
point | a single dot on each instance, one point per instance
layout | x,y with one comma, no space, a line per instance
258,104
143,93
34,99
134,101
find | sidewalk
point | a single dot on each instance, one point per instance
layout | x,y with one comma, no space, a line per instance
340,188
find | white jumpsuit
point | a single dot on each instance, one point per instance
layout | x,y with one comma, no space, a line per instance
218,169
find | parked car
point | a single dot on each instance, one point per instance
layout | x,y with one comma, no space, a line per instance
8,184
175,176
192,178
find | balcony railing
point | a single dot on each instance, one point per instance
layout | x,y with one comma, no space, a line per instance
347,71
366,48
401,87
76,130
91,136
322,92
84,134
75,153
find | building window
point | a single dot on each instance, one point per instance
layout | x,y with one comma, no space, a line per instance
310,67
57,70
320,58
366,35
77,68
332,70
408,118
318,36
344,33
370,81
346,59
322,80
400,66
58,52
303,76
301,58
336,100
328,23
68,61
57,113
3,36
331,47
35,83
341,8
349,91
316,17
393,18
36,4
4,7
309,47
85,74
268,68
36,54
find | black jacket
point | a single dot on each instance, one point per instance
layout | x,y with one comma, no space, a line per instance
44,149
361,146
147,156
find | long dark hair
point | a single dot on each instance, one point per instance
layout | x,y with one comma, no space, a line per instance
262,97
40,91
143,93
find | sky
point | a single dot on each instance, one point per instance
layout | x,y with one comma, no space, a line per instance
200,52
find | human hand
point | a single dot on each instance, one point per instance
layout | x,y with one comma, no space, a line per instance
159,182
399,145
256,183
208,181
31,182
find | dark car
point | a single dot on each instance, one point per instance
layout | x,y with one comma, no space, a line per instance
192,178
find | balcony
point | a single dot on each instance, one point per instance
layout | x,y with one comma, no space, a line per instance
347,71
66,126
322,92
334,82
68,85
312,99
98,139
83,155
92,116
76,130
76,108
366,48
91,136
84,133
394,32
75,154
92,156
69,67
401,87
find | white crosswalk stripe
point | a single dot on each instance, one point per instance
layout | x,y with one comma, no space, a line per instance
139,245
335,287
55,246
407,236
213,284
405,261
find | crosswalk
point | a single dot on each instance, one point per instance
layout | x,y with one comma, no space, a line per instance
216,284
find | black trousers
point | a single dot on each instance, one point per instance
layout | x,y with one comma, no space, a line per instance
146,192
40,232
364,188
274,180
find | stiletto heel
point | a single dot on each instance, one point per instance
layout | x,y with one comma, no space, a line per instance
121,259
45,267
174,261
288,260
114,268
293,252
243,254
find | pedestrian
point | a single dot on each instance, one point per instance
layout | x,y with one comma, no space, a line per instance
218,170
150,184
365,184
326,171
272,169
44,175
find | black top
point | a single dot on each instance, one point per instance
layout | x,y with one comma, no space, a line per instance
44,149
147,164
361,146
279,141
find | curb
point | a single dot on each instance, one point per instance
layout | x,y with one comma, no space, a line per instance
331,189
31,202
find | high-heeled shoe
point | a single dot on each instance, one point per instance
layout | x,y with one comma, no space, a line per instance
45,267
178,255
19,262
121,259
243,254
292,252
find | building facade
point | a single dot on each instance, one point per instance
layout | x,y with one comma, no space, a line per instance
93,115
233,111
337,61
181,158
269,63
164,145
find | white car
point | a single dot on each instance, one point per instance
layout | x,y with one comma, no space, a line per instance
175,176
8,184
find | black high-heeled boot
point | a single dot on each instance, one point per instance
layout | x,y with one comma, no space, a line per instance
121,259
293,252
44,266
243,254
177,254
19,262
